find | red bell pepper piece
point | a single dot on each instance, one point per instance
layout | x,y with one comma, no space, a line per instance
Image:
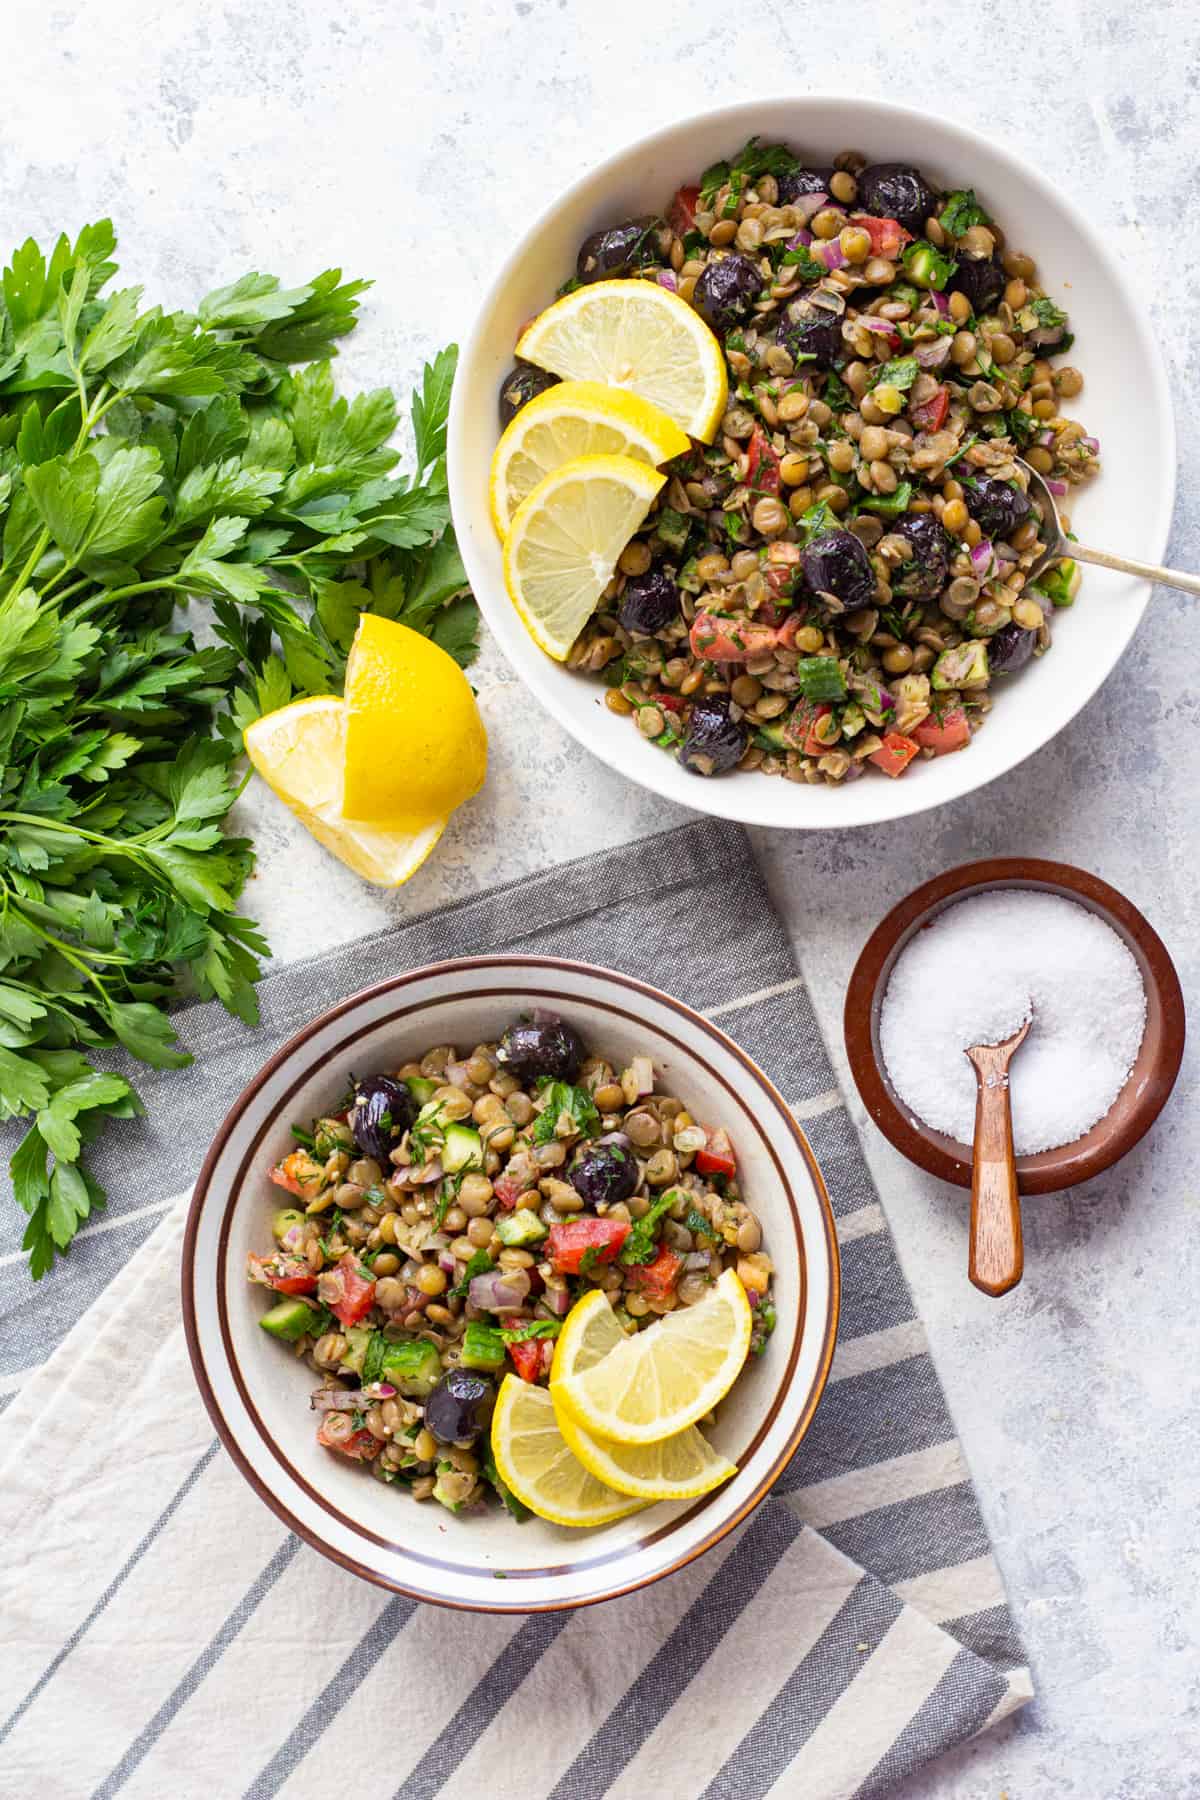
931,414
729,640
507,1191
894,754
669,702
286,1274
656,1279
762,463
681,216
717,1157
360,1446
298,1174
944,735
570,1242
347,1290
798,732
888,237
529,1357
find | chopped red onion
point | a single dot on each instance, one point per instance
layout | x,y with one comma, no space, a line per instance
1092,444
456,1074
558,1300
331,1399
1057,488
1045,439
934,355
419,1175
446,1262
696,1259
499,1290
941,303
801,240
809,205
830,253
982,557
615,1137
881,327
666,278
379,1390
753,1296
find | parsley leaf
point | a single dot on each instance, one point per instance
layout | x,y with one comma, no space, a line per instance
561,1097
640,1244
900,373
1047,313
536,1328
961,211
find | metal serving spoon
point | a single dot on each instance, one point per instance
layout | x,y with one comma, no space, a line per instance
997,1260
1058,545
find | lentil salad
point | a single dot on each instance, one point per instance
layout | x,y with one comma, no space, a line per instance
839,579
451,1214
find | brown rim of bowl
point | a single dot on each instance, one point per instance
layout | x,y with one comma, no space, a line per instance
1154,1072
529,964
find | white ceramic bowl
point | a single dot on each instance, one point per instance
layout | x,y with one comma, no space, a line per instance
1125,402
258,1395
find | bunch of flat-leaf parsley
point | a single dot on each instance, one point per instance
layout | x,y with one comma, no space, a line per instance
151,465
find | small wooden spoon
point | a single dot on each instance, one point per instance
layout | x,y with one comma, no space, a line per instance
997,1259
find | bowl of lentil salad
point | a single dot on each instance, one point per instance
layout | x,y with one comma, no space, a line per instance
1052,252
258,1391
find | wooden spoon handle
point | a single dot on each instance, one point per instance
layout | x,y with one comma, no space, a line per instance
997,1259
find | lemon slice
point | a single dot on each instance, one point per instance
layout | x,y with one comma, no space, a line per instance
679,1468
636,335
565,539
576,418
658,1383
590,1330
299,753
415,744
533,1460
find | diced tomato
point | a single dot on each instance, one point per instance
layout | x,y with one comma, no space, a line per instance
298,1174
944,735
347,1290
507,1191
360,1446
779,573
729,640
888,236
681,216
762,463
931,414
798,732
529,1358
669,702
569,1243
717,1157
894,754
286,1274
656,1279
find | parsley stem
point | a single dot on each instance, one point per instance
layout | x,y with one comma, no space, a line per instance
69,954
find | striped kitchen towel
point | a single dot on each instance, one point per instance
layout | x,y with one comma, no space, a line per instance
161,1631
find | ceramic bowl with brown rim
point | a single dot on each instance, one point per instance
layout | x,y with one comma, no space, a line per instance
1150,1080
258,1395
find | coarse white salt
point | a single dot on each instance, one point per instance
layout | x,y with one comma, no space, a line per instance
971,976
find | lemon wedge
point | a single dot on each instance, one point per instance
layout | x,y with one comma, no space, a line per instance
590,1330
299,753
635,335
576,418
679,1468
565,539
415,744
656,1384
532,1459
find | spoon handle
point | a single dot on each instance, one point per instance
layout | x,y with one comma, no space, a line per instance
997,1259
1175,578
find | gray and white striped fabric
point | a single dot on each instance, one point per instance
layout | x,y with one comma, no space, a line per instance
163,1633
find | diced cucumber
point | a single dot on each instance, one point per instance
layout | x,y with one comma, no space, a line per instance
672,527
482,1347
770,736
373,1360
517,1229
413,1365
448,1500
290,1319
462,1149
421,1089
358,1338
284,1221
962,666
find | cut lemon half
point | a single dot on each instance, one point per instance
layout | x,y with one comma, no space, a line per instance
299,753
532,1459
576,418
590,1330
635,335
565,539
415,744
679,1468
656,1384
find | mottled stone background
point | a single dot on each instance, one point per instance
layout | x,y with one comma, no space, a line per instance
409,142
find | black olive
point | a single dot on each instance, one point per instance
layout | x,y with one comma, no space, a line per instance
836,563
924,577
519,386
715,741
726,291
537,1047
981,279
812,335
649,602
798,182
604,1174
996,508
1009,649
619,249
382,1112
897,191
460,1406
